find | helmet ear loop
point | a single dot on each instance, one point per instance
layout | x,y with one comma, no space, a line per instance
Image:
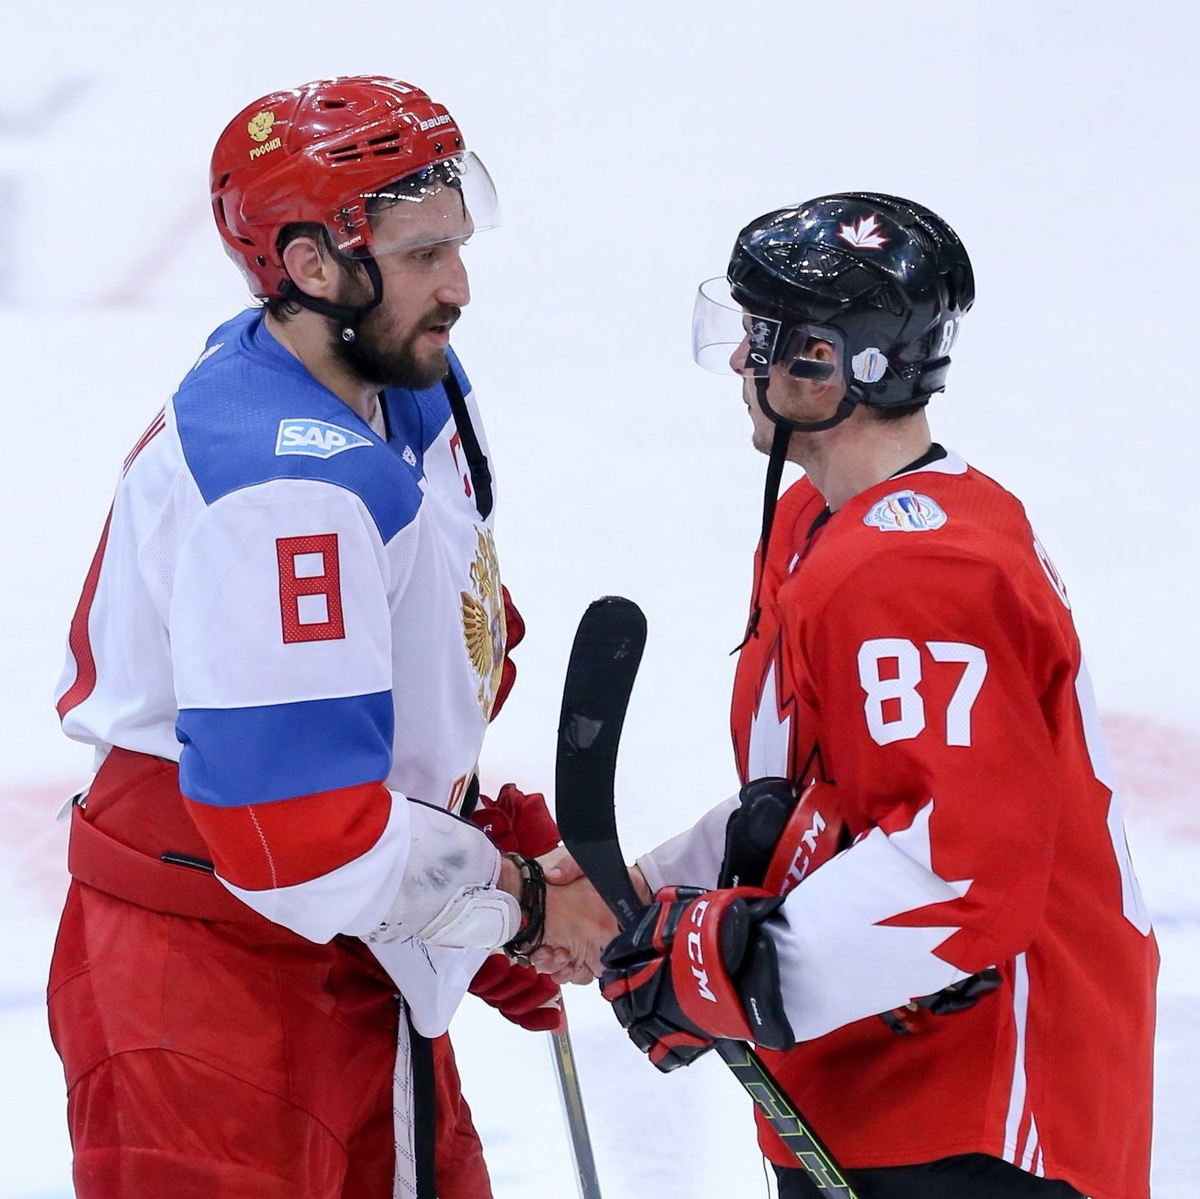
811,368
348,316
790,350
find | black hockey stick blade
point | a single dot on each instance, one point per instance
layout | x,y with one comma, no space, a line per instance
600,673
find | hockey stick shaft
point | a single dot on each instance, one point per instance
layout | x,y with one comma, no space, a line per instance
600,675
572,1104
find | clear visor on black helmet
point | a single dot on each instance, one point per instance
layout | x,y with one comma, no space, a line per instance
727,337
446,202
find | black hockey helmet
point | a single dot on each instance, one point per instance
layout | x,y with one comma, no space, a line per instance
885,280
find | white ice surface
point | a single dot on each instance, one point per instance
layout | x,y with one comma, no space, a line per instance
629,142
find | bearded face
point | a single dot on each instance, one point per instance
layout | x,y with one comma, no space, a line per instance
387,351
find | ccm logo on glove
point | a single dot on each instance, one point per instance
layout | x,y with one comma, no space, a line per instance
805,857
696,952
698,965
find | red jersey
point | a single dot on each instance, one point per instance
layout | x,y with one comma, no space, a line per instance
916,654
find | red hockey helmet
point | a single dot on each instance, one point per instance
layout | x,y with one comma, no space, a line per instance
317,154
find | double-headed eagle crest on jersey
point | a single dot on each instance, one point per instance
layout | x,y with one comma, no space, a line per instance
483,620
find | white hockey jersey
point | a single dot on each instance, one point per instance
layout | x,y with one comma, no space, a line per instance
308,618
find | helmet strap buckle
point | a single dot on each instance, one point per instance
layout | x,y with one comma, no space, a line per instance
348,315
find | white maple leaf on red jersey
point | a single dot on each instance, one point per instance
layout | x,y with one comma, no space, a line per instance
864,234
770,734
840,958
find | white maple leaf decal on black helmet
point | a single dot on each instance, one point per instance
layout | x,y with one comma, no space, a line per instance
864,234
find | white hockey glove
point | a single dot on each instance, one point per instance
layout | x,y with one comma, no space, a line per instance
434,903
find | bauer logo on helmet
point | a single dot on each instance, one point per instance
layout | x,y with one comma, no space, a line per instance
434,122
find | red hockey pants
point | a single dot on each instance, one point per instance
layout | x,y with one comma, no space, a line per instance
218,1061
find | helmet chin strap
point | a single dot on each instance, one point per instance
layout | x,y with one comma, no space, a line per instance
348,316
845,406
784,428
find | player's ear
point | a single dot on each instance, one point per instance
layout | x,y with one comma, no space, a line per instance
311,267
824,351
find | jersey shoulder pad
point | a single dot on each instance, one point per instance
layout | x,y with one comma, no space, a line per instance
798,508
919,527
250,413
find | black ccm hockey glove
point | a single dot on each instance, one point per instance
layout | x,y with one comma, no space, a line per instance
697,966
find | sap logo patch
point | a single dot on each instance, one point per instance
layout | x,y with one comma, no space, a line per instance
907,511
316,438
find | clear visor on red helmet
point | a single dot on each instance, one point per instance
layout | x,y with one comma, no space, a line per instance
446,202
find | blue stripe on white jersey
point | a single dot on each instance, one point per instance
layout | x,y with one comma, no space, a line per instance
230,408
282,751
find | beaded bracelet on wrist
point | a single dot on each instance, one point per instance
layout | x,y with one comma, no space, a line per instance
533,907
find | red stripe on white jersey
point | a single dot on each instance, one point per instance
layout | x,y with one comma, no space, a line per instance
79,641
290,841
155,427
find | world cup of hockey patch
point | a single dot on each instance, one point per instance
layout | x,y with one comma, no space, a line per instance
870,366
907,511
317,438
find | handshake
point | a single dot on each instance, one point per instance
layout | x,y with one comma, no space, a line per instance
565,926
